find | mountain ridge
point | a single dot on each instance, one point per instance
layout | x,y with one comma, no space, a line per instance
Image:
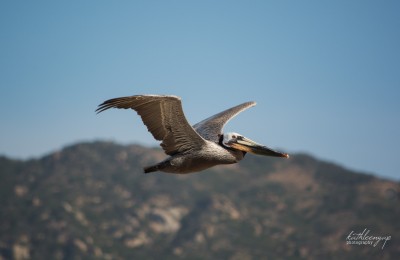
91,201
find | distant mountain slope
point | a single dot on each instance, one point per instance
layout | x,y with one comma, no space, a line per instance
92,201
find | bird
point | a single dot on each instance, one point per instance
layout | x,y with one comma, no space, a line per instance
190,148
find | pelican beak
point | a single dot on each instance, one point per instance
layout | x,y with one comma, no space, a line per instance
246,145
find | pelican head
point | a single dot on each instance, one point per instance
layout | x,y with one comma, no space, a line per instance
239,142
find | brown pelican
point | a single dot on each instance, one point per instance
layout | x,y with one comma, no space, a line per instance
191,148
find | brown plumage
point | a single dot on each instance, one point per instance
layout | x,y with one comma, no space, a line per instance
190,148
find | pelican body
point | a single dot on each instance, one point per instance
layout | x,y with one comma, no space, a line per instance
190,148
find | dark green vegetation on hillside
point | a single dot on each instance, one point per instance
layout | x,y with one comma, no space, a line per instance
92,201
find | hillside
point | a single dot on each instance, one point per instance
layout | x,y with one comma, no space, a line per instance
92,201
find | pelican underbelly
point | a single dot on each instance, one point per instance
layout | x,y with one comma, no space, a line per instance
194,161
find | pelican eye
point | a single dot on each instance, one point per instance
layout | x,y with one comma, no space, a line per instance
233,136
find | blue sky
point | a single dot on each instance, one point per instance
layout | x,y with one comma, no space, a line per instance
325,74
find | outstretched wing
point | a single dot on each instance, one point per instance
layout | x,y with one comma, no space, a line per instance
211,127
164,119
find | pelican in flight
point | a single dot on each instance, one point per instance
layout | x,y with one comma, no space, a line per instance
190,148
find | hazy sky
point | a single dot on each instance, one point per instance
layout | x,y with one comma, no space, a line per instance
325,74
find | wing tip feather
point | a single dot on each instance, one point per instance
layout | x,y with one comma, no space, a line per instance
118,102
